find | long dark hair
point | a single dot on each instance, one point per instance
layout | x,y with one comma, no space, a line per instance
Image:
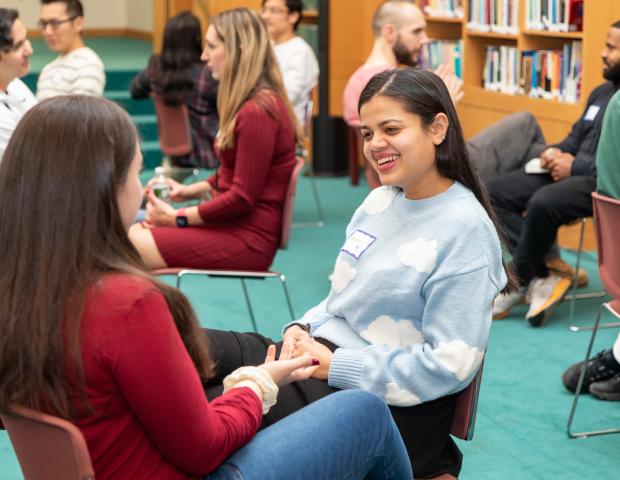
61,231
423,93
172,69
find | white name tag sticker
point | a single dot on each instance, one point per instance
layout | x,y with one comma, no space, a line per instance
358,243
592,112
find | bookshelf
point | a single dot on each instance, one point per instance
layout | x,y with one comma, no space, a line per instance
479,108
351,41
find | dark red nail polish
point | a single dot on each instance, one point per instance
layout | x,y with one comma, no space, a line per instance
315,362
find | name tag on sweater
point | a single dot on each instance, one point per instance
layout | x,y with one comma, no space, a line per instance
358,243
592,112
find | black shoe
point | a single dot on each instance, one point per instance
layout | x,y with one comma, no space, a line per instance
607,390
601,367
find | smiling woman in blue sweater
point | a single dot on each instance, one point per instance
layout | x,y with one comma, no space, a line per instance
409,311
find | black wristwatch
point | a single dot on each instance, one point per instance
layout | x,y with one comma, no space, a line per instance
181,218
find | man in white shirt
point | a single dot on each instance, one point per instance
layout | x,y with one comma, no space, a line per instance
15,97
78,70
298,64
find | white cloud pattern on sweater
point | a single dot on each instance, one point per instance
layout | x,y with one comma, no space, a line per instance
384,330
342,276
378,201
400,397
459,358
420,254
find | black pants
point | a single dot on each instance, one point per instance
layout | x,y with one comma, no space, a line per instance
425,428
532,207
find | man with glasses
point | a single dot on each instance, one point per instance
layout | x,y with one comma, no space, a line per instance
297,62
15,97
78,69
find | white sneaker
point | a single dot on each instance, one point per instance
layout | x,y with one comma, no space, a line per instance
542,294
504,302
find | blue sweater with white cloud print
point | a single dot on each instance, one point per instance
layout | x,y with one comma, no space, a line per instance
411,296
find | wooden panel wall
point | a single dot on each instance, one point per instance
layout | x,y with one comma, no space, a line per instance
350,42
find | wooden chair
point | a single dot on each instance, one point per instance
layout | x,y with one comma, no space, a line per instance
287,217
607,224
47,446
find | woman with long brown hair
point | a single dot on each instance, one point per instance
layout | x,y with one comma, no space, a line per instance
239,227
86,334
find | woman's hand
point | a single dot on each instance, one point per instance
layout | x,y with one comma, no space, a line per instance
284,372
179,192
158,212
199,190
292,335
310,346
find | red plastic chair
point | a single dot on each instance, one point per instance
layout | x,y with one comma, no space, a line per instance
607,226
464,419
466,408
287,218
173,129
47,446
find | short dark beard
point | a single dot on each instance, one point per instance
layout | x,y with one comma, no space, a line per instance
403,56
612,73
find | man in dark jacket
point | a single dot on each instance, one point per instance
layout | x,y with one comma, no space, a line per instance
532,207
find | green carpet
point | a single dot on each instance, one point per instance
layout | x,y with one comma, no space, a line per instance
520,429
116,53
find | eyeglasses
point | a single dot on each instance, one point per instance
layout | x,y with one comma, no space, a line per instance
274,10
54,23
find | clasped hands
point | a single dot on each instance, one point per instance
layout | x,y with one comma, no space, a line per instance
558,163
296,342
162,214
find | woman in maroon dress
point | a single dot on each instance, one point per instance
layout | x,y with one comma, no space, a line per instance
238,226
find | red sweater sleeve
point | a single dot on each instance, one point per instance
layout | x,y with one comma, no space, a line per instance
163,390
255,137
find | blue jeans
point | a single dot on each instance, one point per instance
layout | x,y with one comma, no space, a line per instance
347,435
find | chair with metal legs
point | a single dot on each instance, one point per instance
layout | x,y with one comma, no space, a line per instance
607,224
315,190
579,296
287,215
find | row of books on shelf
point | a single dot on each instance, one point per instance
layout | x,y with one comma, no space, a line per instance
547,74
442,8
498,16
554,15
438,52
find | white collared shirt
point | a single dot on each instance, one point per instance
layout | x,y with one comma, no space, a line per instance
300,72
14,103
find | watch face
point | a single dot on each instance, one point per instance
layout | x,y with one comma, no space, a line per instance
182,221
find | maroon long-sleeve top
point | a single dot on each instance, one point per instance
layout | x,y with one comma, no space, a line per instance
252,181
151,416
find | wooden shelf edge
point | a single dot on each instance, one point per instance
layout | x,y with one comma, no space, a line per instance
310,13
547,33
432,18
549,109
501,36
